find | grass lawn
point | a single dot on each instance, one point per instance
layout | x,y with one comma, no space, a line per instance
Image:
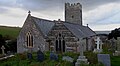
92,58
115,61
21,60
10,31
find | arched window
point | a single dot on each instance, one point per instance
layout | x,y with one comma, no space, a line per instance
63,42
56,45
60,43
29,40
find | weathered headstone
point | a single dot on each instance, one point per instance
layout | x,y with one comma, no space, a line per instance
104,58
118,43
81,59
117,51
3,49
113,42
67,58
9,53
29,56
40,56
53,56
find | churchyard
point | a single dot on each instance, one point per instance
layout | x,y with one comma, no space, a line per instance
111,47
39,59
53,59
108,56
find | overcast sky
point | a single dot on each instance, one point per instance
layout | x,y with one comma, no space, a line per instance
99,14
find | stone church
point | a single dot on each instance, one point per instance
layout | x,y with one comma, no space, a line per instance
56,35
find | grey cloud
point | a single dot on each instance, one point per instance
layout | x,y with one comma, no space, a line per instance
54,4
8,3
92,4
3,10
38,5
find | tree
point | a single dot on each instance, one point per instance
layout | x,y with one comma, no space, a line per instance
114,34
9,43
2,41
12,45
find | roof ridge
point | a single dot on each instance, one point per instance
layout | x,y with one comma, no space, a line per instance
42,19
75,24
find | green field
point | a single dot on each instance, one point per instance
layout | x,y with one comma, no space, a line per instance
9,31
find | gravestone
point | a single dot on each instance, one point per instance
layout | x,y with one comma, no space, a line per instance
81,59
40,56
99,43
81,51
113,44
117,52
9,53
53,56
3,49
67,58
105,59
29,56
118,43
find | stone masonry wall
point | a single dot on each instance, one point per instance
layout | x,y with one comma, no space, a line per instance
73,13
38,40
68,36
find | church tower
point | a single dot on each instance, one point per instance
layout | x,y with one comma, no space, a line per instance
73,13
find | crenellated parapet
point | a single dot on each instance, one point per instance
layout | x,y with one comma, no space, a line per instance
74,5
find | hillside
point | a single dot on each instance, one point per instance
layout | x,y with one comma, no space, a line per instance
102,32
9,31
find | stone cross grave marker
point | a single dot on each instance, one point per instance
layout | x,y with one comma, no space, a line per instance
98,42
81,51
3,49
81,47
81,58
105,59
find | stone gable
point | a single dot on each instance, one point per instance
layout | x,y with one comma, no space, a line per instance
59,28
38,40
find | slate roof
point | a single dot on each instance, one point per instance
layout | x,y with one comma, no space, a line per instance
79,31
44,25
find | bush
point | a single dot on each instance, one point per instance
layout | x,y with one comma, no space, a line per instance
92,57
22,56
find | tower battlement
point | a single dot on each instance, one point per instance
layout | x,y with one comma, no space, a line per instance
74,5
